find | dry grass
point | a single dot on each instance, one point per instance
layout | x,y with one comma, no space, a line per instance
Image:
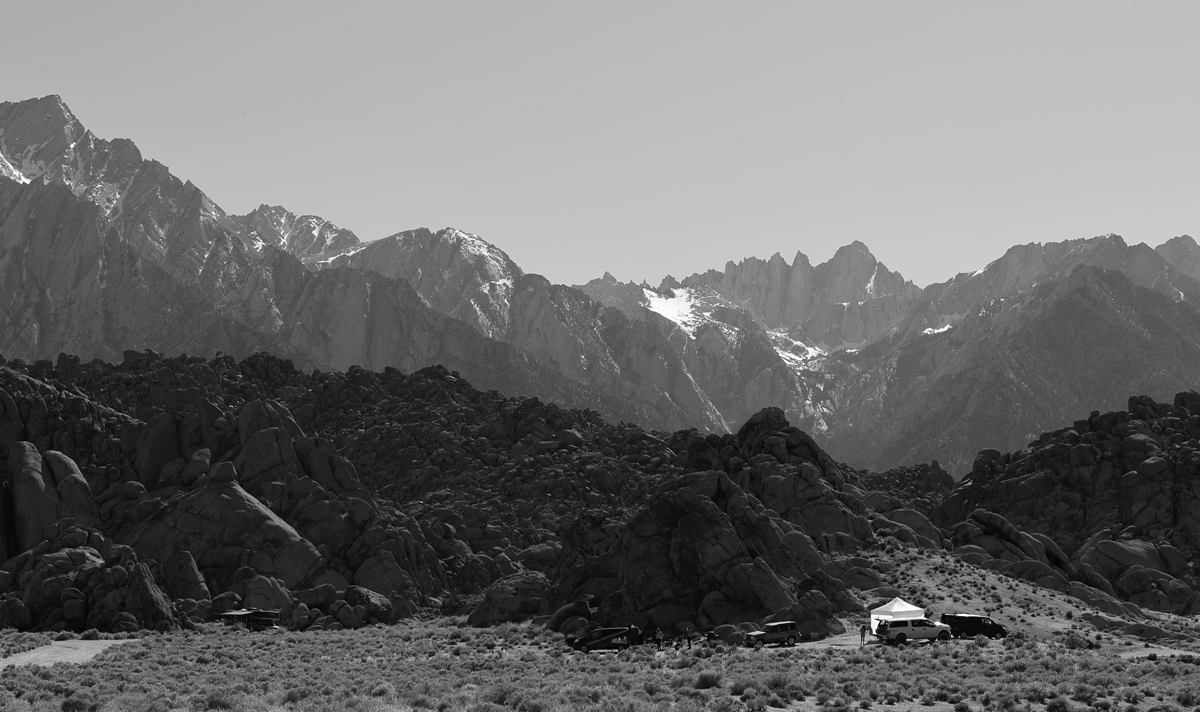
440,665
13,642
1054,661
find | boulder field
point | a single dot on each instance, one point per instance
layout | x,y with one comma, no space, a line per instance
160,492
1111,502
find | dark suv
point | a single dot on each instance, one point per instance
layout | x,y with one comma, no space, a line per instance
783,632
601,638
969,625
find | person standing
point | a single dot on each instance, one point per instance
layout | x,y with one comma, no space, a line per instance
862,634
658,638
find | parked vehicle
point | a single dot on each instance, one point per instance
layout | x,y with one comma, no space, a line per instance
969,625
781,632
603,638
900,632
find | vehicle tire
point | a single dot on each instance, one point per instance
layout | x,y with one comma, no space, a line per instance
943,636
791,640
901,639
758,644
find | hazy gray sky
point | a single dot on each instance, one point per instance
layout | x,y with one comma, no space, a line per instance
647,138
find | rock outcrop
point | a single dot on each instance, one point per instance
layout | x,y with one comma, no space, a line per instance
39,490
1114,491
76,579
512,598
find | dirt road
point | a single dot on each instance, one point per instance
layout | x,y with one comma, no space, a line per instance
61,651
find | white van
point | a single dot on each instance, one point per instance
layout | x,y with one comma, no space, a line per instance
900,632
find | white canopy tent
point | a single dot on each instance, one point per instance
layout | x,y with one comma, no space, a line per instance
896,609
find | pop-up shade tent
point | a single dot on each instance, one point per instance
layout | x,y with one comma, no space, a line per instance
896,609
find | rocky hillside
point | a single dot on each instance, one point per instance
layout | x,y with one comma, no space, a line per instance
1119,492
209,483
160,491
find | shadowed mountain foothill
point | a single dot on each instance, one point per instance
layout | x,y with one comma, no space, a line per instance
184,487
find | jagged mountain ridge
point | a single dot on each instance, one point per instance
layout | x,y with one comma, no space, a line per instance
921,377
155,264
307,237
707,351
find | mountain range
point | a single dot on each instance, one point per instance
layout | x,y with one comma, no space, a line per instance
104,251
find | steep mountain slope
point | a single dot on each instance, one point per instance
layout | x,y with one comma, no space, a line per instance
456,273
243,268
1006,373
1024,266
70,282
462,276
307,237
1183,253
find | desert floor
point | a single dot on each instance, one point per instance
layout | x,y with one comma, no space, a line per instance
1060,656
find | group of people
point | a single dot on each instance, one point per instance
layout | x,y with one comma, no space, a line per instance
659,639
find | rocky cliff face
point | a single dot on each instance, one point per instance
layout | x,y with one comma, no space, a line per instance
308,237
455,273
73,283
1183,254
847,301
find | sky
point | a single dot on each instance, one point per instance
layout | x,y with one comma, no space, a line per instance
654,138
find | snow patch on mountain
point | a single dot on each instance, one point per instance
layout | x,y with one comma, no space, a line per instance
794,352
328,258
678,307
8,171
871,291
938,330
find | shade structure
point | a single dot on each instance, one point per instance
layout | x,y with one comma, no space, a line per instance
896,609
